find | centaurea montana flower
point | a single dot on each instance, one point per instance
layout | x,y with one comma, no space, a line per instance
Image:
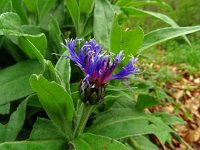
97,67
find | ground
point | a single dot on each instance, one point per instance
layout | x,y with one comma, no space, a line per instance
184,87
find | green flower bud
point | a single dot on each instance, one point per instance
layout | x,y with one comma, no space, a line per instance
91,95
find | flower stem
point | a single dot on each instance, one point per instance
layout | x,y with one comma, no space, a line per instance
83,117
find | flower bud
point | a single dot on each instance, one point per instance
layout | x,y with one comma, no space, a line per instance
90,95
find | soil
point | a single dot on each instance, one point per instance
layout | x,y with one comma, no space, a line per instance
186,95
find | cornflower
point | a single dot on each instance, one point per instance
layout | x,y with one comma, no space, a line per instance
98,68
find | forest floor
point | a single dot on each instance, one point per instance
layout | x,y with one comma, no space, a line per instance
185,92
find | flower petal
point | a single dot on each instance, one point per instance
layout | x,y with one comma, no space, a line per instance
70,45
118,58
126,70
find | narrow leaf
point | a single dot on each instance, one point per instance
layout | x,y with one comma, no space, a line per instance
123,3
3,5
103,16
164,34
164,18
18,7
44,8
31,5
64,68
140,12
88,27
73,9
55,35
15,123
86,6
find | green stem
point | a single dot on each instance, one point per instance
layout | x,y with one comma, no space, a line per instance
83,117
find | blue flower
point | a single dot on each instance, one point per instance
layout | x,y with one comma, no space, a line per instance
97,66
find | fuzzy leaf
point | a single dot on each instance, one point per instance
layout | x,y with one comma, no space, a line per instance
164,34
103,16
95,142
56,102
14,80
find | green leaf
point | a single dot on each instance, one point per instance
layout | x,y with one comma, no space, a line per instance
19,9
3,5
2,132
164,18
12,128
50,73
86,6
145,101
169,119
74,11
132,40
164,34
5,109
123,3
64,68
115,96
31,30
129,41
12,49
33,145
45,128
44,7
31,5
87,141
34,101
31,45
103,16
144,143
58,13
31,50
56,102
55,35
88,27
16,78
39,42
10,25
44,11
125,122
140,12
15,123
116,37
